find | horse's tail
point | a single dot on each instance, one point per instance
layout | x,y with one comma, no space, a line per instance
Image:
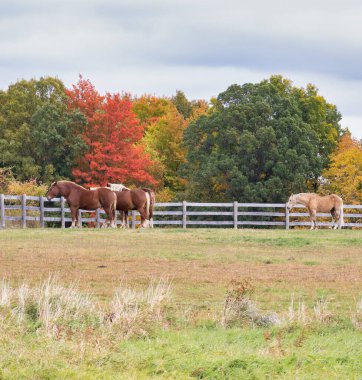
148,202
151,204
341,219
114,207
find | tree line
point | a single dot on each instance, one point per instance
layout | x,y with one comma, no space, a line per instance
255,142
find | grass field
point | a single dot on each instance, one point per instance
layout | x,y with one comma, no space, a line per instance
311,280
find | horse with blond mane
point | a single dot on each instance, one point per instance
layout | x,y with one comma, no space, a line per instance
316,203
80,198
141,199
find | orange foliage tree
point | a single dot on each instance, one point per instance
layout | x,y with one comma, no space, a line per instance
164,127
344,176
112,135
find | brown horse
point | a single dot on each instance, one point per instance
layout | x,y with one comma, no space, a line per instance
316,203
142,200
80,198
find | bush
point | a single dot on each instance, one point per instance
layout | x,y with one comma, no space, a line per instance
6,176
29,188
239,309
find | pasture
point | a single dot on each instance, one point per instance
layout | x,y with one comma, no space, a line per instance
310,279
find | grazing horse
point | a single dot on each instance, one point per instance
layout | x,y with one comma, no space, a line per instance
316,203
80,198
142,200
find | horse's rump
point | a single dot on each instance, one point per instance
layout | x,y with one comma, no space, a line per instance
152,200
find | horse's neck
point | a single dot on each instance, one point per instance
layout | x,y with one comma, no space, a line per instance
67,187
303,198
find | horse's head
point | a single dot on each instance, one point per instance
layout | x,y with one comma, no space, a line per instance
292,201
53,191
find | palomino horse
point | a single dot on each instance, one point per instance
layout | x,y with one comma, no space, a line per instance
142,200
80,198
316,203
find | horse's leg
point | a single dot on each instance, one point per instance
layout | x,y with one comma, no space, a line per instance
106,222
126,222
334,219
144,214
74,215
315,219
312,215
122,219
337,216
111,216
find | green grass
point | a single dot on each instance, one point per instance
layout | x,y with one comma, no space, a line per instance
308,266
204,352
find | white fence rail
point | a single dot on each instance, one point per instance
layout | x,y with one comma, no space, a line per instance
31,211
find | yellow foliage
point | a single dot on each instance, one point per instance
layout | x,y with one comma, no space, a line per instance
28,188
344,176
164,195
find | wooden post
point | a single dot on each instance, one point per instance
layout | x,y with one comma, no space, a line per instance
98,218
41,206
286,217
23,210
236,208
62,212
184,215
133,219
2,210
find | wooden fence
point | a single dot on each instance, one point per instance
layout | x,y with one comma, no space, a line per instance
31,211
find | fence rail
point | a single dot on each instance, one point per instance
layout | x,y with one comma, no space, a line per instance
31,211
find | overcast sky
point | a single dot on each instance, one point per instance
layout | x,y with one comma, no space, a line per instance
197,46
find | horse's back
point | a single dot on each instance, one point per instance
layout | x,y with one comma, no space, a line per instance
100,197
328,202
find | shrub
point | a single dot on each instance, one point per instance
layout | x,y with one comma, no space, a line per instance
239,309
29,188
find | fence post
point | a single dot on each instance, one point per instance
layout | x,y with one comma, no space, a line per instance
62,212
236,208
41,205
286,217
2,209
184,214
133,219
23,210
98,218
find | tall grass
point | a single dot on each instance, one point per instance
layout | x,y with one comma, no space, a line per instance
56,331
56,310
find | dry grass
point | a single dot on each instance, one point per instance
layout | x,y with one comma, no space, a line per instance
62,311
201,262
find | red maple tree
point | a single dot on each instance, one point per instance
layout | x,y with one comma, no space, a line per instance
112,135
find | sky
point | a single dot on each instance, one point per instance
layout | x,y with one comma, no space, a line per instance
197,46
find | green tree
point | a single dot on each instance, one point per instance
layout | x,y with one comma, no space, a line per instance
258,143
35,127
183,106
57,140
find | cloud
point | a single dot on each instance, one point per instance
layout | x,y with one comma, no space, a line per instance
200,47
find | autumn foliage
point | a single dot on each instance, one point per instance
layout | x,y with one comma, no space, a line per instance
344,176
112,134
254,142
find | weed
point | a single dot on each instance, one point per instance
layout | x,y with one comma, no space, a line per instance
239,309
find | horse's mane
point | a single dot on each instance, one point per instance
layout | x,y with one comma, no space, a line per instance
73,184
